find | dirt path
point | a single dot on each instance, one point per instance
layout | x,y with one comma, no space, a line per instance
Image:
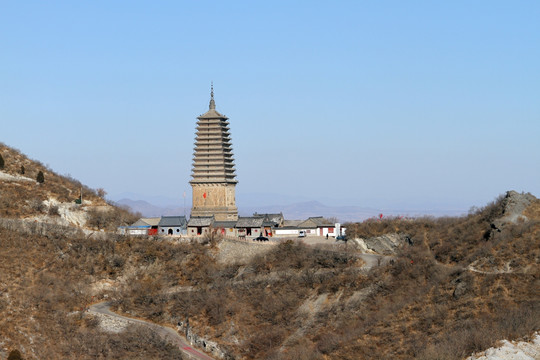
165,332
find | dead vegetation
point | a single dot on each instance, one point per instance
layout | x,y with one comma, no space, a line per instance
22,196
291,302
44,288
425,304
15,195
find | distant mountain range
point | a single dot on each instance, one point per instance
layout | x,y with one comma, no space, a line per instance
300,210
150,210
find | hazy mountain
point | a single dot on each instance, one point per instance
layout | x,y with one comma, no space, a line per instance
304,210
150,210
299,210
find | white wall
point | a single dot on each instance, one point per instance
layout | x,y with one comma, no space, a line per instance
177,230
282,232
138,231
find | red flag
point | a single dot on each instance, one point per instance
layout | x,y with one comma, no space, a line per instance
204,195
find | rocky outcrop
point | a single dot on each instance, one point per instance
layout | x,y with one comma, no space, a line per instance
29,226
385,245
514,204
111,324
461,287
512,350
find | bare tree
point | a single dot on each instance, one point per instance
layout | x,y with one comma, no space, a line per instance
101,192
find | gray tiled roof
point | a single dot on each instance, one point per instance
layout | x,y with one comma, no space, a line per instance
200,221
154,221
212,114
140,222
291,223
245,222
173,221
313,222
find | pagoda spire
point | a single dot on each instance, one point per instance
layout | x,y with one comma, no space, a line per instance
212,102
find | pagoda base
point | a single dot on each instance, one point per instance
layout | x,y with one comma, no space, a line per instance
214,199
230,214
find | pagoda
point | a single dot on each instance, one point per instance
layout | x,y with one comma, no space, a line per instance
214,178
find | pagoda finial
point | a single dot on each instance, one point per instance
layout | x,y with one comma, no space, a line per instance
212,102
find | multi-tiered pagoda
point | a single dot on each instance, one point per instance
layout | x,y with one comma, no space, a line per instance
214,177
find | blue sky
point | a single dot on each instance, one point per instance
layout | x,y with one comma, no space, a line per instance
403,104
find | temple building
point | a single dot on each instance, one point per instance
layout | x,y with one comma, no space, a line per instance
213,176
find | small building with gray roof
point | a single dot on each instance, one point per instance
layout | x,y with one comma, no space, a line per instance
250,226
172,225
225,228
317,225
199,225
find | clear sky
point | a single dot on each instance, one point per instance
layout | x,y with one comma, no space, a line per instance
403,104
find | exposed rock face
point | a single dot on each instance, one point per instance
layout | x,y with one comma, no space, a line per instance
514,205
41,228
111,324
8,177
515,350
461,287
385,244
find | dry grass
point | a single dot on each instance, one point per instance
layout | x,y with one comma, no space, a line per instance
45,283
292,302
23,199
15,195
533,211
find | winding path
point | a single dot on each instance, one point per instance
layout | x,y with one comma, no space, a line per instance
165,332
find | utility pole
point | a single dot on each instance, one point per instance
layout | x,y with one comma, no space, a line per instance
184,203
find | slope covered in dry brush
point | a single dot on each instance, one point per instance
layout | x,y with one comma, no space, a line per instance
22,196
461,286
457,286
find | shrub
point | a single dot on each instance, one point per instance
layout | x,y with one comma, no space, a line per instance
53,211
37,205
40,178
110,218
15,355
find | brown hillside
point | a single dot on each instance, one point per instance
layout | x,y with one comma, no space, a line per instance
462,285
17,193
46,279
21,196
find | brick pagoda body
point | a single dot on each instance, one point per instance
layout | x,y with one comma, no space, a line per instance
213,178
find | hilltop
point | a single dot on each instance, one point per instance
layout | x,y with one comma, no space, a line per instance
56,200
